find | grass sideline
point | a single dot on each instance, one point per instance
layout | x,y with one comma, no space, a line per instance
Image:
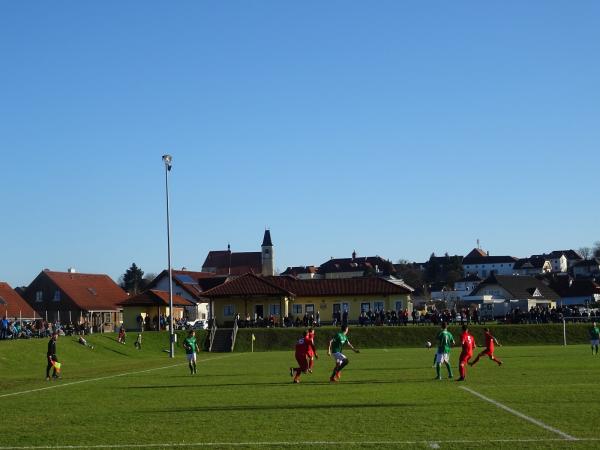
270,339
386,398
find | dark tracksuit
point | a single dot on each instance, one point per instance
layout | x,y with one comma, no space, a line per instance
51,356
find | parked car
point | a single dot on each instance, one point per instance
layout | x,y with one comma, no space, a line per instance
198,324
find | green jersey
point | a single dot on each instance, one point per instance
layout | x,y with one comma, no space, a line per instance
338,342
445,341
594,333
189,344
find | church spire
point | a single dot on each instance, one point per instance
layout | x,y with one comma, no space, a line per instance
267,239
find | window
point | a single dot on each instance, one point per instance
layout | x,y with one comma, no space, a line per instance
364,307
56,296
274,309
310,309
337,307
345,307
378,305
39,296
297,309
399,305
2,301
228,310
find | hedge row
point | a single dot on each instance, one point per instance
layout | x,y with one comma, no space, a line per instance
411,336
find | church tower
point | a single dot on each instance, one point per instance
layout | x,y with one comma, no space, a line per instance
267,256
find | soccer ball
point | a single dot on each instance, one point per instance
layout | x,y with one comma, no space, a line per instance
427,344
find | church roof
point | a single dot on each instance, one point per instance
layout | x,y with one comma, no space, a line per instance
226,262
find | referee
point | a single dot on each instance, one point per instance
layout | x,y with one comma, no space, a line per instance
51,357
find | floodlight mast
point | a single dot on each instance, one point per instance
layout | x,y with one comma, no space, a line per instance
168,160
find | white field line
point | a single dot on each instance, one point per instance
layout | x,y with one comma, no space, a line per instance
288,444
539,423
89,380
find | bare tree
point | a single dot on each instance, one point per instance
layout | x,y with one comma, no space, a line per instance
585,252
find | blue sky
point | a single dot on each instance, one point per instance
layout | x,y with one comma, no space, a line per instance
393,128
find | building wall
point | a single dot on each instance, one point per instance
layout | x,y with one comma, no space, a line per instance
130,314
485,270
307,305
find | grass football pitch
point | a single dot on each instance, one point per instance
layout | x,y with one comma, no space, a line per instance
117,397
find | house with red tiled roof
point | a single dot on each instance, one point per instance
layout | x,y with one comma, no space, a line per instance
76,297
281,296
142,311
12,305
189,285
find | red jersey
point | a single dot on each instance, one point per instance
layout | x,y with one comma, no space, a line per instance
489,342
301,347
310,344
468,343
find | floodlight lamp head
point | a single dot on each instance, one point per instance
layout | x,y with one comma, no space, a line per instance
168,160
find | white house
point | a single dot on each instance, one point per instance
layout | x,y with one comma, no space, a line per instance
507,292
482,264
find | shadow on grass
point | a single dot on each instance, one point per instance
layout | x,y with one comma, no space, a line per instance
116,351
310,406
312,383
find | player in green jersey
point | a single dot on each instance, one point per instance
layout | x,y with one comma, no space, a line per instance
594,338
445,341
335,349
191,347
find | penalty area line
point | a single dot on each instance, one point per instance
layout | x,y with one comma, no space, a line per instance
514,412
432,444
107,378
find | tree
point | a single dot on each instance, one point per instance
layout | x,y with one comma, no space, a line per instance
597,249
585,252
132,280
410,274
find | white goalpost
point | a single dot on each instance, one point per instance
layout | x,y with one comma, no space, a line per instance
574,320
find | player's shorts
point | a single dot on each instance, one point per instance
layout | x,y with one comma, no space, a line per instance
339,357
442,358
488,351
191,357
302,362
595,342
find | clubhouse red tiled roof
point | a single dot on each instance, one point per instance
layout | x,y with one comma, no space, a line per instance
247,285
252,285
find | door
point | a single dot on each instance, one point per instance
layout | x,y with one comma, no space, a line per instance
258,311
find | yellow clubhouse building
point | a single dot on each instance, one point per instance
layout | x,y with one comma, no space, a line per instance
283,296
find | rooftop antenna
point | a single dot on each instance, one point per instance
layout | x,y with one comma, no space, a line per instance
478,245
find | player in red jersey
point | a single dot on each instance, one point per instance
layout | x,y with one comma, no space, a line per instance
302,358
468,344
489,348
311,349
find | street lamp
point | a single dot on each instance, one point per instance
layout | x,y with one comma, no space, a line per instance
168,159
